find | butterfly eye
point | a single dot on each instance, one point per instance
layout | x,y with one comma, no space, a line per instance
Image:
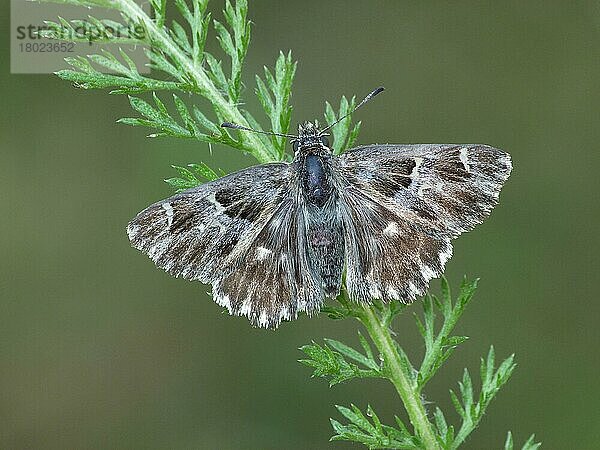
295,146
324,141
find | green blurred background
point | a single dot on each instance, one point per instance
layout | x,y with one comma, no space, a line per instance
99,349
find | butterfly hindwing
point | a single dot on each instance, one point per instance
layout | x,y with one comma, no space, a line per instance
387,256
276,279
403,205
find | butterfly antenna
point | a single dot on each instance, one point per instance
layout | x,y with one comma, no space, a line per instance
235,126
364,100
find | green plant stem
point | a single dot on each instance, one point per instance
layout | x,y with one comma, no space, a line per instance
407,390
206,87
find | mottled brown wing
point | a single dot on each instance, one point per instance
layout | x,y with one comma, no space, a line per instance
404,203
239,234
277,279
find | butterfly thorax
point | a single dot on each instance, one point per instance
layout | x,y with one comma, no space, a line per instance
316,182
312,157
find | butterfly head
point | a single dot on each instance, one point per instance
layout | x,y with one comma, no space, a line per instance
310,137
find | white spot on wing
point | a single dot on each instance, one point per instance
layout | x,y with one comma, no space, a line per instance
246,307
415,170
262,253
374,291
132,231
428,272
284,313
445,255
263,321
224,301
393,293
464,158
391,229
412,287
218,207
169,210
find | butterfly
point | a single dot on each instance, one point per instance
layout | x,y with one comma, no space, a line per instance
276,239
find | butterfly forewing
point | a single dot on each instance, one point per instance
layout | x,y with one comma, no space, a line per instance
449,187
238,233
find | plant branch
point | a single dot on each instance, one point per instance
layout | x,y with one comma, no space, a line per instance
338,362
399,374
438,348
227,110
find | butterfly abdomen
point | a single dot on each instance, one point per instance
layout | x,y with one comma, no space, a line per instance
326,248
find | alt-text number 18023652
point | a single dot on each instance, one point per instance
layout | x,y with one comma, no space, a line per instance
44,35
47,47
